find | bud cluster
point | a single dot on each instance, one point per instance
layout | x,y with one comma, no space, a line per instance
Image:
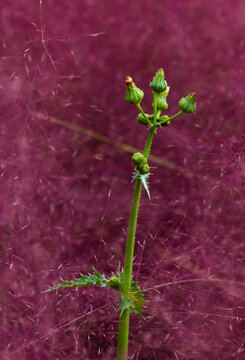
160,89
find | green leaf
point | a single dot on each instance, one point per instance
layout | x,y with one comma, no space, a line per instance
115,282
91,279
135,176
136,296
95,279
133,301
124,304
143,179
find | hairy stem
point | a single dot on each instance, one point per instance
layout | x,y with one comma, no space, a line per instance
123,330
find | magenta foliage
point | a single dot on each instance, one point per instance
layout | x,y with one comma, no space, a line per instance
65,196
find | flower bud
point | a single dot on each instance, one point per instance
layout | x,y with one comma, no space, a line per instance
164,120
142,120
188,103
162,104
133,94
158,83
140,163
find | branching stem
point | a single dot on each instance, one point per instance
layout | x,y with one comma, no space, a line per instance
142,112
123,331
170,118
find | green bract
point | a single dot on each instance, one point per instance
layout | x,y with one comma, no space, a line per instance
133,94
158,83
188,103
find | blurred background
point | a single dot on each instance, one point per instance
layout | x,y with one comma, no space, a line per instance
67,136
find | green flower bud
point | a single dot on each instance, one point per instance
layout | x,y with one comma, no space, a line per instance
133,94
142,120
158,83
162,104
163,120
188,103
140,163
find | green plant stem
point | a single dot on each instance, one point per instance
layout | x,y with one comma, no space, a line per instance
155,108
174,116
127,270
142,112
123,330
171,117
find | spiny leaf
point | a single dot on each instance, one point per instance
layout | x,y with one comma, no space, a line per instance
133,301
145,183
135,175
124,304
143,178
91,279
136,296
115,282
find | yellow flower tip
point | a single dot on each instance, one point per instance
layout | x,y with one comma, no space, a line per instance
166,91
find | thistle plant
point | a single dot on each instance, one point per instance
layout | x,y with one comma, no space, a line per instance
131,296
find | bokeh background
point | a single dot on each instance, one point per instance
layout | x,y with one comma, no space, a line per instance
67,137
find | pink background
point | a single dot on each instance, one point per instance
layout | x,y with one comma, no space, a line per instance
65,194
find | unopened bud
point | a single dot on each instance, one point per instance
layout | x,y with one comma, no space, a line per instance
188,103
162,104
164,120
142,120
133,94
140,163
158,83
